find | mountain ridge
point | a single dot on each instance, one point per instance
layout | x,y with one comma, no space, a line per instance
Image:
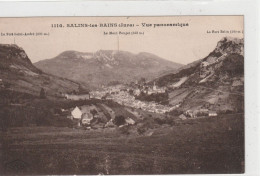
105,66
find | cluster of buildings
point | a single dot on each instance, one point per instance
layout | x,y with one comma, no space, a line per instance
125,95
122,95
198,113
148,89
85,96
84,116
80,94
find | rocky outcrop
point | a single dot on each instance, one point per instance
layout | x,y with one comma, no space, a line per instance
215,82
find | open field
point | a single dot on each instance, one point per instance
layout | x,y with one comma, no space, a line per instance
209,145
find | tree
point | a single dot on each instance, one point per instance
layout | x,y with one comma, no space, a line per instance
42,93
93,112
131,92
119,120
82,90
146,89
142,81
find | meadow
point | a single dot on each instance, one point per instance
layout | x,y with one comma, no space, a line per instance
207,145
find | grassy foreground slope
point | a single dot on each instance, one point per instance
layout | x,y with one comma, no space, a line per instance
209,145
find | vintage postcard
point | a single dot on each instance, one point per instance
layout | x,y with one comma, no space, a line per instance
122,95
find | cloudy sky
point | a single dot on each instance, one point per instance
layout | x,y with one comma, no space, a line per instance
178,44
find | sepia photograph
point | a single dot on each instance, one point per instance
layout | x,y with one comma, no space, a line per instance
122,95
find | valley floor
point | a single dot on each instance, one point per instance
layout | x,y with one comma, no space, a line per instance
209,145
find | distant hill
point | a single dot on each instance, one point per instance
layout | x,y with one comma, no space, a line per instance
106,66
215,82
17,73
